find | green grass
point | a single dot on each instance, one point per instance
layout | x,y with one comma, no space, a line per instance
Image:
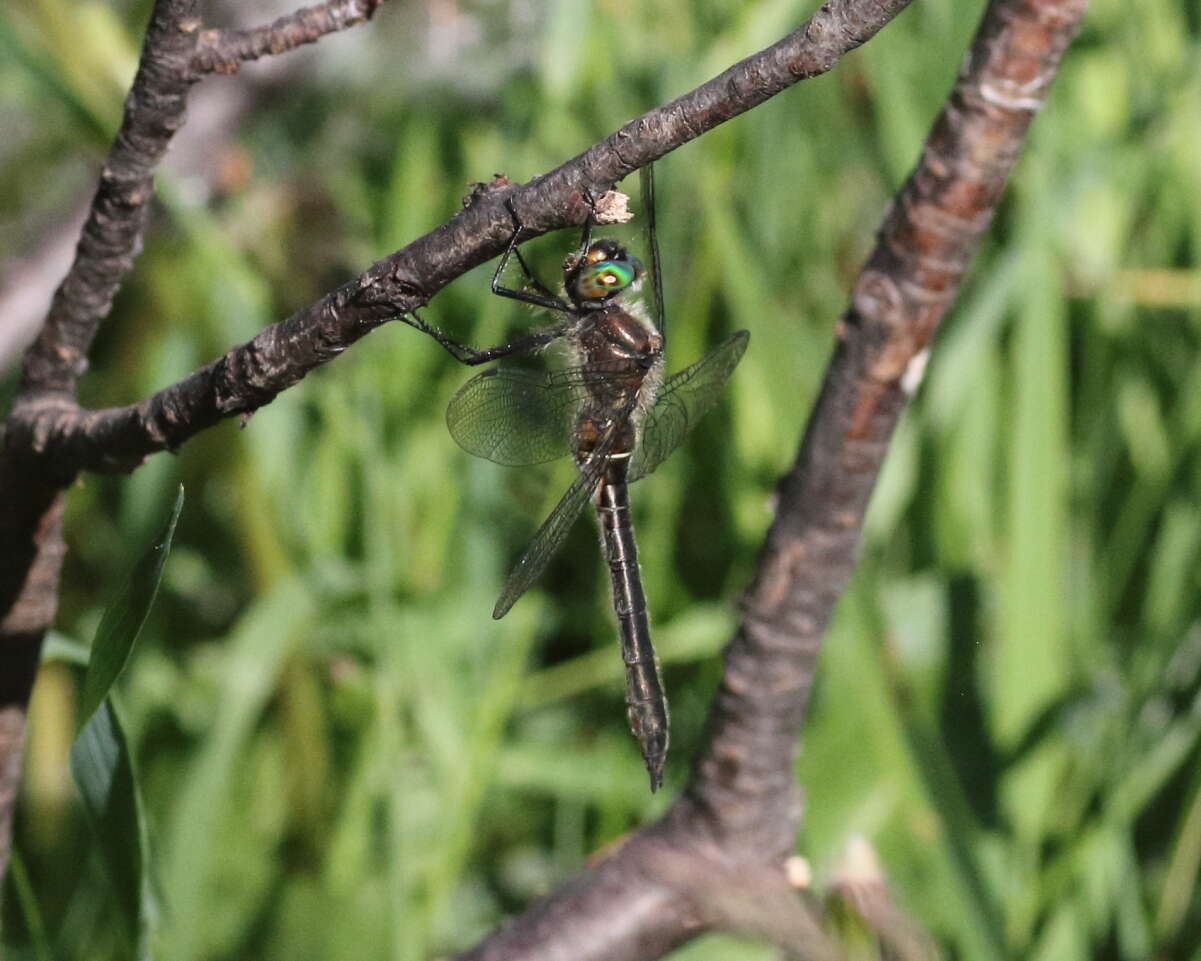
342,755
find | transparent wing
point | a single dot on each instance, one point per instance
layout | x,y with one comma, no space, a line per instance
554,529
653,290
685,397
515,417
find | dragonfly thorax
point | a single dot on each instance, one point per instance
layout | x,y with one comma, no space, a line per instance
619,339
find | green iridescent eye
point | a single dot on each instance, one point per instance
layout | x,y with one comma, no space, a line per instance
606,278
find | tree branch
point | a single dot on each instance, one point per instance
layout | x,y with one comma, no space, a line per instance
223,51
31,540
251,375
31,558
31,485
112,234
742,806
744,779
739,814
861,886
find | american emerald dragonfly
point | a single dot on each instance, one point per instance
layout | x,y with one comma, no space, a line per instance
612,411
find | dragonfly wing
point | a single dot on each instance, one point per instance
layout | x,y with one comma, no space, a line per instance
685,397
546,543
554,529
514,417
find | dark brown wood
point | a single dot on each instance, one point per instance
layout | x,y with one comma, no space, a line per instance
902,294
32,481
31,559
736,821
252,374
31,498
224,51
112,234
740,812
48,428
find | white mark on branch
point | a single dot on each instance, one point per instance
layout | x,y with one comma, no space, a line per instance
1018,99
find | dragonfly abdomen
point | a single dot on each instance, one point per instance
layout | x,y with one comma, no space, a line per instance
645,701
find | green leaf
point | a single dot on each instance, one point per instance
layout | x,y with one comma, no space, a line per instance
30,911
101,766
1030,658
122,622
100,760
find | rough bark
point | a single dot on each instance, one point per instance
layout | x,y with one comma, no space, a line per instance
740,812
252,374
176,53
734,825
51,438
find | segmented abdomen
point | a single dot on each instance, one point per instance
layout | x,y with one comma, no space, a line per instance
645,701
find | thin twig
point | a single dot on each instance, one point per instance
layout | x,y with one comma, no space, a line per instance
223,51
31,486
742,807
860,884
112,235
251,375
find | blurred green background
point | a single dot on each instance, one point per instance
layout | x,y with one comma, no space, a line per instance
343,756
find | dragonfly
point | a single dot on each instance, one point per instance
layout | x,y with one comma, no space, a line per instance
612,410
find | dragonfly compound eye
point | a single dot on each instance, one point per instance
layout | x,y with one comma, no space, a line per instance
606,278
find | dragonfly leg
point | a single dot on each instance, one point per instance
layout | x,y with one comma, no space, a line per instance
586,233
533,291
473,356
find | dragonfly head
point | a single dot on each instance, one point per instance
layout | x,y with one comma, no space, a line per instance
604,270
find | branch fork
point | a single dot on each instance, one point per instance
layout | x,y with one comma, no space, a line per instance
733,829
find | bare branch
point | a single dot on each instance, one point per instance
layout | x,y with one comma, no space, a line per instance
176,54
861,884
737,819
112,235
744,779
657,891
750,899
30,562
223,51
31,542
251,375
665,886
742,807
618,911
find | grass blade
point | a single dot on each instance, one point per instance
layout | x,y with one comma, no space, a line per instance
101,766
122,622
100,759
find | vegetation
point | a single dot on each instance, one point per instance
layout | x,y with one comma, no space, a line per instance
342,756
